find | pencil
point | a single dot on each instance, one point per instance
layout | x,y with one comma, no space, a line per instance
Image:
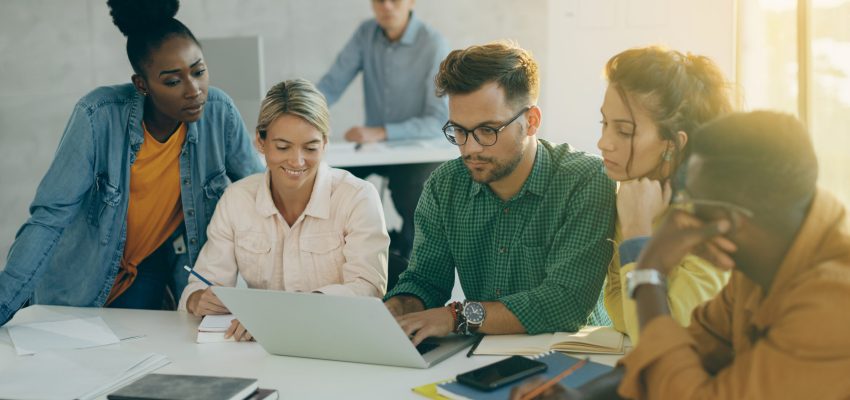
551,382
474,346
192,271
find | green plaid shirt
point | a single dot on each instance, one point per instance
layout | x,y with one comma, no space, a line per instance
543,253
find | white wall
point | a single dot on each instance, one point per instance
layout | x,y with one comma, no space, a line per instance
53,52
584,34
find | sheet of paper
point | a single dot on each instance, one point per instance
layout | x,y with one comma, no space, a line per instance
75,374
75,333
215,323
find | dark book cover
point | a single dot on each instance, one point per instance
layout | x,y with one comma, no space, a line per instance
188,387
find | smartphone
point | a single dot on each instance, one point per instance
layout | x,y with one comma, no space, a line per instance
501,373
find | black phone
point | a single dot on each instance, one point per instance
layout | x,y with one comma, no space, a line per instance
501,373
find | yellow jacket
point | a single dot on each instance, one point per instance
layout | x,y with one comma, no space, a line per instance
692,283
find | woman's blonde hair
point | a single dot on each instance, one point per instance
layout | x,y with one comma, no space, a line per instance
296,97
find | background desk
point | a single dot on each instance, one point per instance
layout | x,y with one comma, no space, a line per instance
342,154
173,334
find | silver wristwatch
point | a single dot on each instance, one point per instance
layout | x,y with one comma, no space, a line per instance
639,277
473,314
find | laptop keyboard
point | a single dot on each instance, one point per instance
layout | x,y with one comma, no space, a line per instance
426,347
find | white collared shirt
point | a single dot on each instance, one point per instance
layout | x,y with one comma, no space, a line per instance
338,245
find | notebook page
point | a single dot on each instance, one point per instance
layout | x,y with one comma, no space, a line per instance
514,344
216,323
589,339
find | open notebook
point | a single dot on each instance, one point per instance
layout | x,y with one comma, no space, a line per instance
590,339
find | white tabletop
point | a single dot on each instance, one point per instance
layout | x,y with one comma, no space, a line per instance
173,334
342,154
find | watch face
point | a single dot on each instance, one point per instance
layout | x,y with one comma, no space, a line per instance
474,313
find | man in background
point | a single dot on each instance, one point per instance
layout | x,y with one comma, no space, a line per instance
398,55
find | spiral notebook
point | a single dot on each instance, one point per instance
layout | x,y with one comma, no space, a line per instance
557,363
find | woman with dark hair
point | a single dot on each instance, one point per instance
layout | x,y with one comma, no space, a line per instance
656,97
135,180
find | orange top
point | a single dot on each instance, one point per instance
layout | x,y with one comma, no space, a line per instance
791,343
155,210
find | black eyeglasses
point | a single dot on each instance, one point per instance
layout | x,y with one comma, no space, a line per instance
483,134
708,210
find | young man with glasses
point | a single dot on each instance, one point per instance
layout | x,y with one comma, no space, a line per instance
524,222
779,329
398,55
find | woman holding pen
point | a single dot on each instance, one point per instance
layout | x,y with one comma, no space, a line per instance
137,175
300,226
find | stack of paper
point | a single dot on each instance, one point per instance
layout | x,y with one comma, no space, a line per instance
213,327
77,333
75,374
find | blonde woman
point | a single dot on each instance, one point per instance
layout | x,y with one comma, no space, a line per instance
655,99
300,226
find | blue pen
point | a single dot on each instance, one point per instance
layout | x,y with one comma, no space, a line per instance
197,275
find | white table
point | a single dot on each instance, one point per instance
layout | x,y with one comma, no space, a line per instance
342,154
173,334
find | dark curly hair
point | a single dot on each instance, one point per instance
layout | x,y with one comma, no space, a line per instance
146,24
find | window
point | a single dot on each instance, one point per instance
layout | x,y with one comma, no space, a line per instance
794,56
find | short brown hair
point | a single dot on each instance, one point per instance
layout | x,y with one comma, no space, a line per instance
511,67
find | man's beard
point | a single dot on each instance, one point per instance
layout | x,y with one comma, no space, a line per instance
499,171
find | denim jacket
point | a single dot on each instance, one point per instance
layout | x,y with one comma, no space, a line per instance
68,252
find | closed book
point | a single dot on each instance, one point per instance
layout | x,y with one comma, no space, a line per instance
556,362
589,339
186,387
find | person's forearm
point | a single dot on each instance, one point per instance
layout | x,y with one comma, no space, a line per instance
405,304
192,301
651,302
500,320
604,386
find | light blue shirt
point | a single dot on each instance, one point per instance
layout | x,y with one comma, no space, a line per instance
68,251
398,78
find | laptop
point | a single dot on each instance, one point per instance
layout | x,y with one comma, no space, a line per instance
356,329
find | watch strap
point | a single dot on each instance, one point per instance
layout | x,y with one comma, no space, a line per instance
640,277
